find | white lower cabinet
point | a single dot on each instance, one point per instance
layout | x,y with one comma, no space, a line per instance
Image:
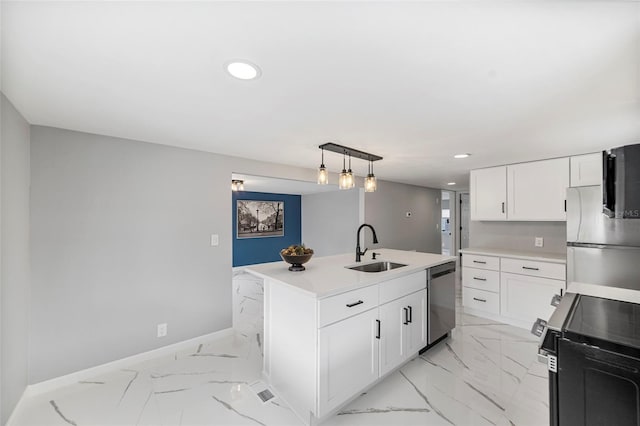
525,298
348,359
403,329
321,353
516,291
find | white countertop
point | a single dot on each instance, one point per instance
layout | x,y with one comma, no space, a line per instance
517,254
328,275
615,293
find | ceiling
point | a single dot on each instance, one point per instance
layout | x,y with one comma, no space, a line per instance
413,82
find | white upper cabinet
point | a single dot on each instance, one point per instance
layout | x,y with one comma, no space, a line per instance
586,169
488,191
536,191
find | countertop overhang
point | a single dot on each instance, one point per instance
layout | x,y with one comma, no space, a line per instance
517,254
329,275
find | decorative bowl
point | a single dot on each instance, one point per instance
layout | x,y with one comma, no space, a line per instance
296,261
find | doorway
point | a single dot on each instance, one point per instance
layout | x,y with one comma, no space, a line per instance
447,227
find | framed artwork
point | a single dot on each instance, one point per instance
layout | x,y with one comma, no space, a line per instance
257,219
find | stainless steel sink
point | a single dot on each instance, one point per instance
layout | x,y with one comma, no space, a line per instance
377,266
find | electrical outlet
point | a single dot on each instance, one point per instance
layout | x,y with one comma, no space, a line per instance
539,242
162,329
215,240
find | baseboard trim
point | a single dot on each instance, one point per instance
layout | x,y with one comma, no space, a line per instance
69,379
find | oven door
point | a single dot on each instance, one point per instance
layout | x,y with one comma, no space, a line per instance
597,387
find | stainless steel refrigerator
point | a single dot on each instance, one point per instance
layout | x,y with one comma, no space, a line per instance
603,243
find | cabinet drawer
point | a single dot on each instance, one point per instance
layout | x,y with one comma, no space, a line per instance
481,279
344,305
557,271
482,262
398,287
481,300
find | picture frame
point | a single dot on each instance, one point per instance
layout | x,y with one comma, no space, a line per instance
259,219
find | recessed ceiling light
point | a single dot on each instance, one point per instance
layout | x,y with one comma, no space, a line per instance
461,155
244,70
451,183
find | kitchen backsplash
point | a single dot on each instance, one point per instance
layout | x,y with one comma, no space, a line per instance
519,235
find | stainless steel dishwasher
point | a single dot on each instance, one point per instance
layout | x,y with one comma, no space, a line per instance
441,302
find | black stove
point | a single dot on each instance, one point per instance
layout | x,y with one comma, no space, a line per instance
592,345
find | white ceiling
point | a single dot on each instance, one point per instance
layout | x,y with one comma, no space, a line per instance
414,82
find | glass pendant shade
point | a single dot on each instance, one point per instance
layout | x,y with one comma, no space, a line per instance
343,181
351,181
323,175
370,184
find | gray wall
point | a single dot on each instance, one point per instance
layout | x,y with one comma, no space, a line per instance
386,210
519,235
14,257
120,242
330,221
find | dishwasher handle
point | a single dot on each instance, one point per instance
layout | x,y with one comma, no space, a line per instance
440,270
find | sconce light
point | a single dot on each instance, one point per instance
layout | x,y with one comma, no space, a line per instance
370,184
323,174
237,185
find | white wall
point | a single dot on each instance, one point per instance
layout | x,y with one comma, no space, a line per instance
120,242
386,210
519,235
14,257
330,221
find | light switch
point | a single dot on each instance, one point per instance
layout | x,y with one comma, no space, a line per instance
215,240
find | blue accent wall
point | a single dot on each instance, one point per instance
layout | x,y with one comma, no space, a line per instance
248,251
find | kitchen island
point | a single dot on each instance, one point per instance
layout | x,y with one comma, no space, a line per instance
332,332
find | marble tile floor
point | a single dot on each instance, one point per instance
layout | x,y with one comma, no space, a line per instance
486,373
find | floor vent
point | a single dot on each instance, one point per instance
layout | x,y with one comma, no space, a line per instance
265,395
262,391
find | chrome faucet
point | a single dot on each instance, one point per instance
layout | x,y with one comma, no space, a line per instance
375,241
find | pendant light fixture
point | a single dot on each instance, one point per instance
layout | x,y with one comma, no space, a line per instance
351,181
370,184
343,181
323,174
347,179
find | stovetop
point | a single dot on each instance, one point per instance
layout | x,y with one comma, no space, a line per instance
610,324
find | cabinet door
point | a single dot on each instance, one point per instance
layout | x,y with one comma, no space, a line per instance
537,190
488,193
586,170
525,298
393,316
348,359
417,327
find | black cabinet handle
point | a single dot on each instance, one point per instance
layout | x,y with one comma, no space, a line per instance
503,207
479,279
406,316
378,326
410,314
351,305
479,261
565,205
530,268
480,300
